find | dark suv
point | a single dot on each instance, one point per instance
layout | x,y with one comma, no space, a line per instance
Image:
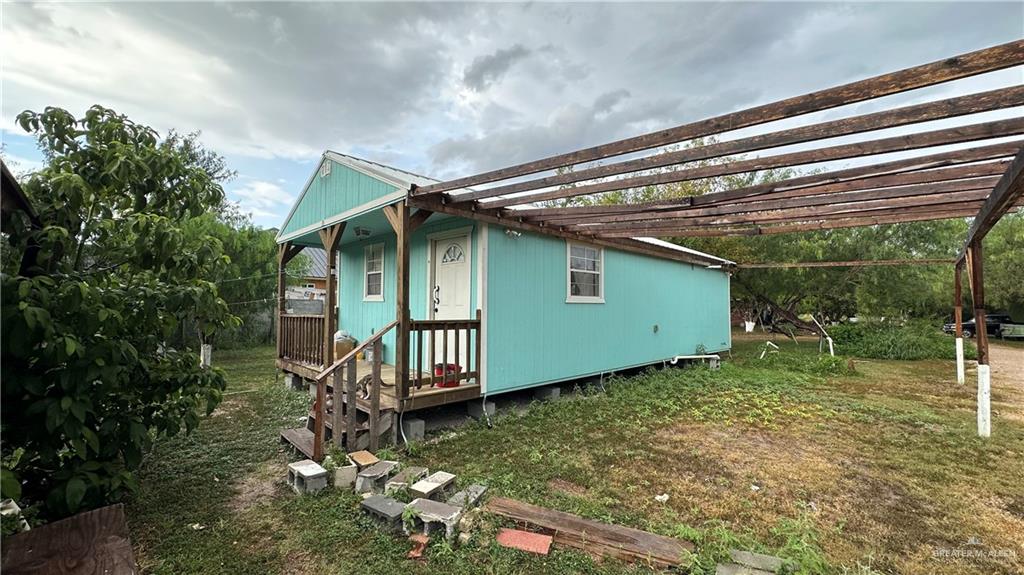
992,323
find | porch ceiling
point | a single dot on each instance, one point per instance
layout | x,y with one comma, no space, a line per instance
373,220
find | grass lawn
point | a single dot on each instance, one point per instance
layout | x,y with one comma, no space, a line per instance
874,471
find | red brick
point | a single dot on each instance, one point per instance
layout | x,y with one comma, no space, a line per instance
524,540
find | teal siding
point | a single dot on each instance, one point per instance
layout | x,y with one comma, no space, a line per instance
535,337
336,193
362,318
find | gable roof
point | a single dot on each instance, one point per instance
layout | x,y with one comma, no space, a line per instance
391,175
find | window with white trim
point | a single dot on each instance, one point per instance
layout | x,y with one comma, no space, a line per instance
373,267
325,169
585,274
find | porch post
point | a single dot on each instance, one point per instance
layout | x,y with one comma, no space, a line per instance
285,252
402,314
958,316
329,237
981,338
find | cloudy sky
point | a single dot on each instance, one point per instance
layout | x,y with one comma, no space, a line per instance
447,89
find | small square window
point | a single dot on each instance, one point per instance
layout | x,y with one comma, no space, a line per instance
373,267
585,274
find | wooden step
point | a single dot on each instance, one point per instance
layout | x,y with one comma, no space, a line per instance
300,438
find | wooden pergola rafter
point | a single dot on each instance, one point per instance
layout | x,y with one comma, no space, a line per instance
984,180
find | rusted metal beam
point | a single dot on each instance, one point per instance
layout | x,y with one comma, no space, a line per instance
949,108
965,65
941,137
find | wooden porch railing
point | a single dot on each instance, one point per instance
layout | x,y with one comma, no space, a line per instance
345,412
302,338
451,348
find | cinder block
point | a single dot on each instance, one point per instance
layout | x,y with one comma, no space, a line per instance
345,475
387,510
405,478
293,382
414,428
547,393
372,478
760,561
468,497
476,408
307,476
430,515
714,363
433,485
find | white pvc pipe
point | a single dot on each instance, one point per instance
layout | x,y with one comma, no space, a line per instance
960,360
831,348
984,407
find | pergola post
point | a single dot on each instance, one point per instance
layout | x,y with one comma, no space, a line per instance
981,338
958,316
330,237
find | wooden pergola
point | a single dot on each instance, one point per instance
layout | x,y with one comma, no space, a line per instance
980,178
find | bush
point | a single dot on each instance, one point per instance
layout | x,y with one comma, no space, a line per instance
912,340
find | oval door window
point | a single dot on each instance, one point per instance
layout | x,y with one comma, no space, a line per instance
453,254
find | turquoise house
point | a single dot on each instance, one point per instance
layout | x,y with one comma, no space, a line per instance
503,308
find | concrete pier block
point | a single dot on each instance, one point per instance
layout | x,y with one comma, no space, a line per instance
385,509
547,393
476,408
372,478
405,478
433,485
294,382
431,515
306,476
468,497
414,428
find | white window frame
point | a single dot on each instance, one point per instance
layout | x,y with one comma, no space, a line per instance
325,168
569,297
366,273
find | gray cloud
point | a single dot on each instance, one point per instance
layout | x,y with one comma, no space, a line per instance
489,68
446,88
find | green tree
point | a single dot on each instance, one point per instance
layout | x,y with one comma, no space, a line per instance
87,378
1004,266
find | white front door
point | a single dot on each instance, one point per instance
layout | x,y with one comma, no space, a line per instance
450,295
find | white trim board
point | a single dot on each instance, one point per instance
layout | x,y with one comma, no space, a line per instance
481,301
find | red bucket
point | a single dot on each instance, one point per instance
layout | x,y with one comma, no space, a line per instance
450,371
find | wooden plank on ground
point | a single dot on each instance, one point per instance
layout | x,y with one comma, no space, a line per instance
616,541
88,543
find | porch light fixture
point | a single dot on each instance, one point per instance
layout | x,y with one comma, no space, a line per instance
362,232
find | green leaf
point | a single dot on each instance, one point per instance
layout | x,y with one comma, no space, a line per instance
92,439
10,487
74,492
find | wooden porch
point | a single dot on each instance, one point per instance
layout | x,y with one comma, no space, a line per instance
358,399
419,398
